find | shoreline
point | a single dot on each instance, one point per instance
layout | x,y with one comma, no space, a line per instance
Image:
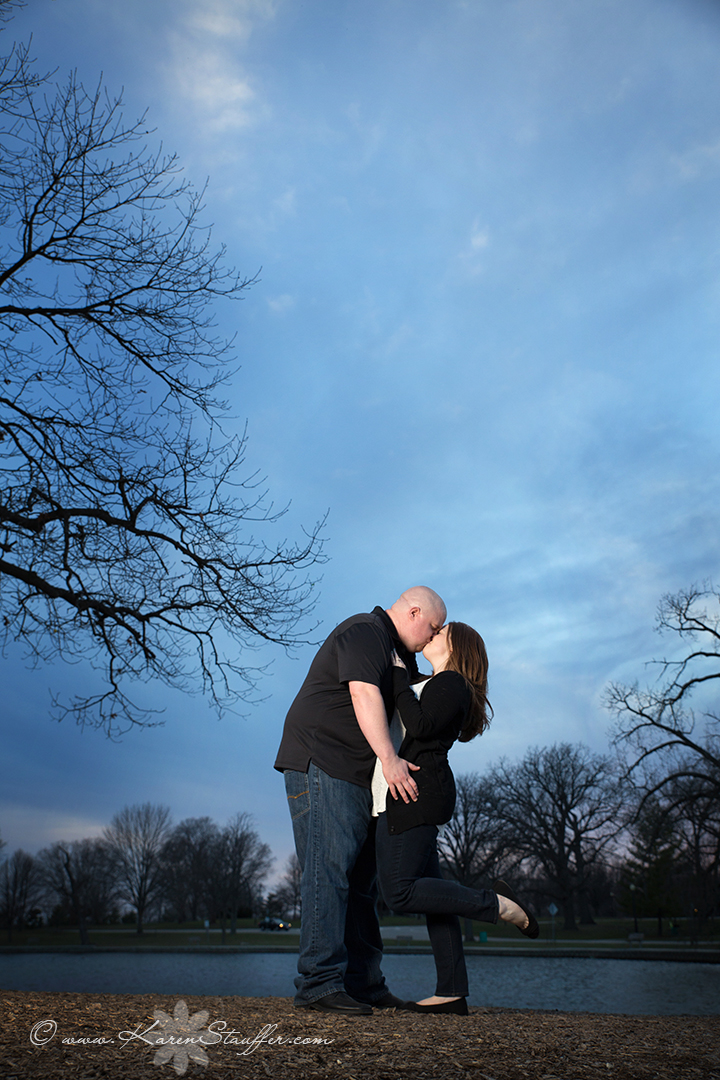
678,954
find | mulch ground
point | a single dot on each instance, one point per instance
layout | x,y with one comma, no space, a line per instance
93,1036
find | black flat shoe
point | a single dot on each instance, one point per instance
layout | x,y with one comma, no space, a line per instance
458,1006
339,1002
503,889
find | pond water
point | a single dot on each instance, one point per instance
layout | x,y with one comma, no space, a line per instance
634,987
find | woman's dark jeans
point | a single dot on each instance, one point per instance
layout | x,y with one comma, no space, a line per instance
411,883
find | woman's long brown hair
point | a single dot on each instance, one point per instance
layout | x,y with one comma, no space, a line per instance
468,656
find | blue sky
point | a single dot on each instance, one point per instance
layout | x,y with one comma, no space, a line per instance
485,337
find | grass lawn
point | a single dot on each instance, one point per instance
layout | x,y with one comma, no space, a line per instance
174,935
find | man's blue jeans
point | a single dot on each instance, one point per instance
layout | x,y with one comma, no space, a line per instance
340,942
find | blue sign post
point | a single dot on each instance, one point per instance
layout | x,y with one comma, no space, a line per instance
553,912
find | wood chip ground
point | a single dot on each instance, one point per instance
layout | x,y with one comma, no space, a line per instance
97,1037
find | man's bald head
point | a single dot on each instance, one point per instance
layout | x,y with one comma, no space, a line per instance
417,616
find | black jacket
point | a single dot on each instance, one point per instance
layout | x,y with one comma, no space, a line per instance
433,724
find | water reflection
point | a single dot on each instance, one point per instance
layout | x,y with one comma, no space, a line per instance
634,987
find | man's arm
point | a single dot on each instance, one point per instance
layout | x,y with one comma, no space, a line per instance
370,713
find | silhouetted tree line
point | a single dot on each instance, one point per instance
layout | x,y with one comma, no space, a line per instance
551,822
286,899
567,826
144,866
636,834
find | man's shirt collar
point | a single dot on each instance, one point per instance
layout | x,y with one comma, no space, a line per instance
403,652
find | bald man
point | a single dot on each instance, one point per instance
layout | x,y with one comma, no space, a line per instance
336,727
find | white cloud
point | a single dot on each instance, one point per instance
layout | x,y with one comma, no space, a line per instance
478,242
33,827
217,91
479,238
229,18
371,133
286,203
698,160
280,305
205,71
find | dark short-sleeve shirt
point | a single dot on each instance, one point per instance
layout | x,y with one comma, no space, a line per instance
321,725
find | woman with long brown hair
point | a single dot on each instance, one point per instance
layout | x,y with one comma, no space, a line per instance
450,705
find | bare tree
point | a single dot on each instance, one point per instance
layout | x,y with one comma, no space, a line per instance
136,838
186,859
79,877
125,512
240,862
662,737
20,889
473,845
561,808
696,810
288,894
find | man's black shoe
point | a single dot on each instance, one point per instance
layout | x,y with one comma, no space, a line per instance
339,1002
388,1001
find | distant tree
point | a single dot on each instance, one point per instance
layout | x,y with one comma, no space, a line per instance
288,894
560,808
697,812
125,512
136,838
79,877
186,857
473,845
20,889
661,736
239,864
602,886
650,870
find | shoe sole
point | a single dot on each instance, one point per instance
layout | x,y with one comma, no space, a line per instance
339,1012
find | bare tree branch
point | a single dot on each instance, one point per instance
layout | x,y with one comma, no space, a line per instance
661,736
125,512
